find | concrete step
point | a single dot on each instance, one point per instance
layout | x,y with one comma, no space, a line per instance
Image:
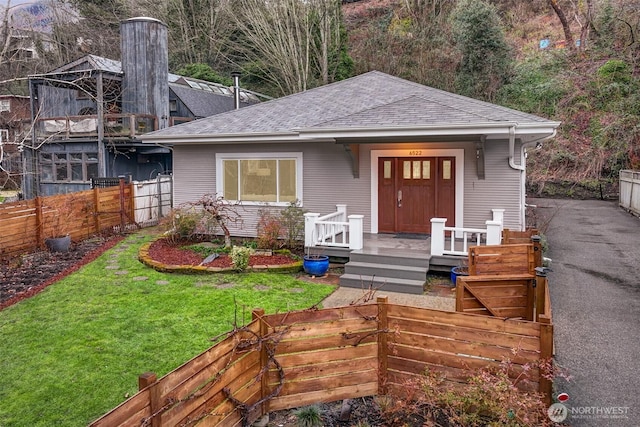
382,283
386,270
392,257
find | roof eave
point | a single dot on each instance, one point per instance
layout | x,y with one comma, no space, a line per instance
262,137
497,130
491,130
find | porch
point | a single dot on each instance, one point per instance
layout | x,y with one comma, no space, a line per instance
394,262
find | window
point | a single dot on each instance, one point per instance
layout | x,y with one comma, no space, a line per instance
5,105
260,178
65,167
4,135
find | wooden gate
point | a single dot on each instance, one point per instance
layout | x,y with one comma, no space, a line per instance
500,296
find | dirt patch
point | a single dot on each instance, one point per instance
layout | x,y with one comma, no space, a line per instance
24,276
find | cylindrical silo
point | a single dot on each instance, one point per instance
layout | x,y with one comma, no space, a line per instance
145,63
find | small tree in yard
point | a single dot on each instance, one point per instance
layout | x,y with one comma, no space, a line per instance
218,212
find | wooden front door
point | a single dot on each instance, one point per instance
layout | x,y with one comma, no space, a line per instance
412,190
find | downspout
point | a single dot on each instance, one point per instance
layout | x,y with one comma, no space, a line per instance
522,167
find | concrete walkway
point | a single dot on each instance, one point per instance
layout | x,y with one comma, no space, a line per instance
348,296
595,292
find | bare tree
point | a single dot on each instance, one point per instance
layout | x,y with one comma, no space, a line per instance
564,22
292,44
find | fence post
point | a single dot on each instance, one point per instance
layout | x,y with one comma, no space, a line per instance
146,379
39,223
96,209
460,293
149,379
437,236
356,239
541,291
159,180
546,352
383,350
122,214
310,228
537,250
258,314
494,232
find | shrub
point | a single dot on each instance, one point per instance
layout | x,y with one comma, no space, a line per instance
184,223
491,397
292,220
268,230
240,257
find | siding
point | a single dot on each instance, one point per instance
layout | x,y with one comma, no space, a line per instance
499,190
328,179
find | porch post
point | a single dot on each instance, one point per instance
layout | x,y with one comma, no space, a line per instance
437,236
310,228
494,232
498,215
356,239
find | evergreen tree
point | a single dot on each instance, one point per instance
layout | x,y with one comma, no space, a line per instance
485,61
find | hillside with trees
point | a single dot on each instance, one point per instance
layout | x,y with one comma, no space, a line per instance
586,76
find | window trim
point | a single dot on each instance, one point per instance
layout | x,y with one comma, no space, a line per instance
297,156
68,162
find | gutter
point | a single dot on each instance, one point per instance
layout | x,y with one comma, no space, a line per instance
534,143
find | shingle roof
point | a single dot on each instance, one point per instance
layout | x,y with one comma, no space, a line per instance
202,103
94,62
373,99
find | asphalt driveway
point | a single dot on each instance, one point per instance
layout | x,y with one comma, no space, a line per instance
595,291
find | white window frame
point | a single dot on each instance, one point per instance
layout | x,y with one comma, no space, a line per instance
5,105
297,156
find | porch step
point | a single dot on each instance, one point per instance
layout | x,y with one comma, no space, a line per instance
392,270
381,283
398,257
386,270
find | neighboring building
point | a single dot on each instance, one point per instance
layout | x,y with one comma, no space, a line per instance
89,114
15,117
395,151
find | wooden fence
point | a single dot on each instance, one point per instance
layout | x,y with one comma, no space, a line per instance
503,281
288,360
26,224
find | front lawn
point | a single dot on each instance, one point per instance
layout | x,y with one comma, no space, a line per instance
74,351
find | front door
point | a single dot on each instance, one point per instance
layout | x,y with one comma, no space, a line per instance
412,190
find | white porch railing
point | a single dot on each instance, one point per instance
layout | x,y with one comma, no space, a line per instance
334,230
492,235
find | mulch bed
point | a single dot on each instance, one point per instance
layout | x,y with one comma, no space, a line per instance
26,275
169,253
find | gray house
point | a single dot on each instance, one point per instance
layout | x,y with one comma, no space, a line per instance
393,152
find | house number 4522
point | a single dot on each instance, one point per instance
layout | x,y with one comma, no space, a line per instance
415,153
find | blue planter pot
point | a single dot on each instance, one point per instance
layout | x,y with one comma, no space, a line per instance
458,271
316,265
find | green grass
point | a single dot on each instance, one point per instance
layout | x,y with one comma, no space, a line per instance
74,351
